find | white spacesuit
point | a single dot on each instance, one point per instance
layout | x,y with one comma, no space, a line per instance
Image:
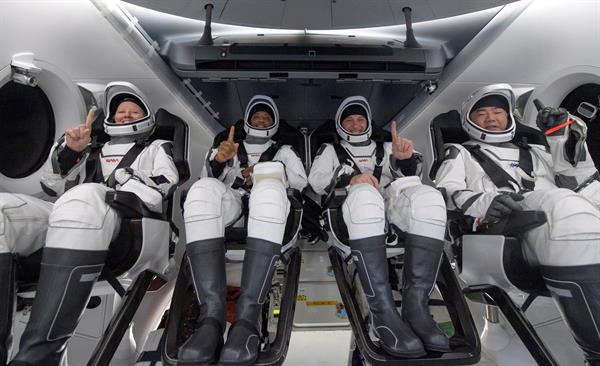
23,225
416,209
492,175
81,225
216,201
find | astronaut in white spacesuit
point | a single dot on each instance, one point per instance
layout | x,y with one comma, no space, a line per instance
262,169
492,175
383,179
81,225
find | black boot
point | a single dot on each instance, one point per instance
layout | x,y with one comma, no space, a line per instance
206,259
66,280
421,262
243,339
7,295
396,337
576,291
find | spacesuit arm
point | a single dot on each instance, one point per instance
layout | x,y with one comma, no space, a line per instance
151,187
324,172
571,161
58,174
294,169
451,178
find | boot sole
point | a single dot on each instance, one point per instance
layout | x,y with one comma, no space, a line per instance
415,354
237,364
437,349
194,363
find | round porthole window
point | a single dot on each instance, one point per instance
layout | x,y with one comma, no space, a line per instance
27,129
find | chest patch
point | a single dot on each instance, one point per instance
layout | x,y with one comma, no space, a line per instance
112,160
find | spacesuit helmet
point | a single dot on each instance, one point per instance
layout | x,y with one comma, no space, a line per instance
495,95
118,92
349,106
261,103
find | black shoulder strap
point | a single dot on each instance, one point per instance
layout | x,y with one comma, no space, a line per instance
343,156
93,169
379,152
498,175
242,155
526,163
125,162
269,154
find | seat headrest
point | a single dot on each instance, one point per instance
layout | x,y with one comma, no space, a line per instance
172,128
446,129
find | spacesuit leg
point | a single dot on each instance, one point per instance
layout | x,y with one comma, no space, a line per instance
209,207
576,291
81,227
420,212
269,208
23,225
567,248
364,215
7,291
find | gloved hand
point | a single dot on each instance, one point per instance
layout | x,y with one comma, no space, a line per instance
501,206
550,117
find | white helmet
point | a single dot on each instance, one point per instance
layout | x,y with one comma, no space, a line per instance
483,97
117,92
353,105
261,103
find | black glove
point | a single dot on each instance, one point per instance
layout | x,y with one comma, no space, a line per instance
502,205
550,117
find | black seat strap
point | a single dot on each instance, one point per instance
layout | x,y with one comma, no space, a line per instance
379,152
93,168
344,156
498,175
125,162
267,155
113,281
526,163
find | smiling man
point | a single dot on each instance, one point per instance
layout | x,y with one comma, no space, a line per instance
494,174
382,179
231,175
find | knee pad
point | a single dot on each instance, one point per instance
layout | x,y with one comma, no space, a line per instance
81,207
571,216
7,201
364,212
204,200
571,235
269,208
418,210
269,202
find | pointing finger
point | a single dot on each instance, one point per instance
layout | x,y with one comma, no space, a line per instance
394,132
231,134
90,117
